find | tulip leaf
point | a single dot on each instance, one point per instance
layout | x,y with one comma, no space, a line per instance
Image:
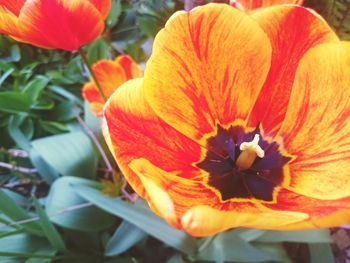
34,88
21,244
141,217
16,133
99,49
126,236
69,210
65,94
114,13
48,228
249,234
66,111
5,75
229,246
53,127
321,253
307,236
10,208
92,121
70,154
14,102
48,173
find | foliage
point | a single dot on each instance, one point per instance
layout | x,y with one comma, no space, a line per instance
337,14
52,202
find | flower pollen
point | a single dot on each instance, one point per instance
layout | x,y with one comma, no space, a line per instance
250,150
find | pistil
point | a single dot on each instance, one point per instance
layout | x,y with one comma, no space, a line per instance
250,150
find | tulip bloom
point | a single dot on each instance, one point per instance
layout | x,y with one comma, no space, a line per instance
61,24
253,4
240,121
110,74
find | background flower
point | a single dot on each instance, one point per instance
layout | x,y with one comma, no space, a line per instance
110,74
58,24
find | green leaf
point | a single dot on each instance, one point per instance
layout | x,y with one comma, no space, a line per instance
65,93
321,253
48,173
275,249
21,245
92,121
44,103
16,213
148,24
34,88
48,228
338,15
335,12
114,13
47,255
66,111
229,246
15,54
14,102
5,75
16,133
70,154
140,217
62,203
309,236
177,258
53,126
99,49
126,236
249,234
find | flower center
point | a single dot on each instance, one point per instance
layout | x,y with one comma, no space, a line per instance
250,150
243,165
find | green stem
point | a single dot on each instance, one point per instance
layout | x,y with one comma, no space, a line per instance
92,74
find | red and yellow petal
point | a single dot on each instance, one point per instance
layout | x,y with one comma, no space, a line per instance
293,30
136,132
66,24
253,4
130,67
207,66
8,22
110,75
185,193
103,6
187,204
204,220
93,97
316,127
322,213
14,6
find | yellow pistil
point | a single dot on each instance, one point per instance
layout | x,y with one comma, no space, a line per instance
250,150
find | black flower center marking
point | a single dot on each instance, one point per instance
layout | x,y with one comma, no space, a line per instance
259,181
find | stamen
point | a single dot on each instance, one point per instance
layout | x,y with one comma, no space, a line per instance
250,150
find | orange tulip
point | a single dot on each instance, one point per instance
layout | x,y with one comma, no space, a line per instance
62,24
110,74
240,121
253,4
